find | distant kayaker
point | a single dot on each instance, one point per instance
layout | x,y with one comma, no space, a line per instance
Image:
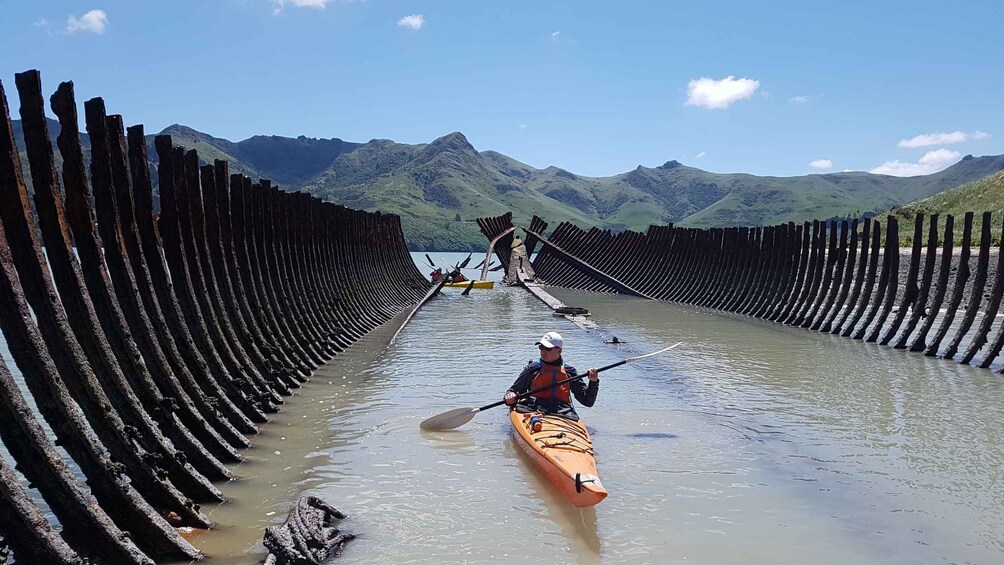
436,275
549,369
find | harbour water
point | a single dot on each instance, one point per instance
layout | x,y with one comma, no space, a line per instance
750,443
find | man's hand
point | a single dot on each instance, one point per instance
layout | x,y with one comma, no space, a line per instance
594,375
510,398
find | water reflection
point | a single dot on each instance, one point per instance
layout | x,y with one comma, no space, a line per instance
453,442
578,525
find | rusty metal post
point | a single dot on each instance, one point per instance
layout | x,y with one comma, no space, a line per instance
24,527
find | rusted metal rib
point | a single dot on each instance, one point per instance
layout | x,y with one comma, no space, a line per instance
912,291
975,292
113,204
989,317
587,267
54,402
24,528
64,331
962,276
128,381
818,280
137,371
164,293
920,304
919,342
225,371
495,229
890,277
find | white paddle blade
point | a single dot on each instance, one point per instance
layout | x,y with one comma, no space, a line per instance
449,420
630,359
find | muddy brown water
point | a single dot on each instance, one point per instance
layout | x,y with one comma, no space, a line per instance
751,443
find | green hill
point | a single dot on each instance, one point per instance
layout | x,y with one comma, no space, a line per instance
439,188
430,185
984,195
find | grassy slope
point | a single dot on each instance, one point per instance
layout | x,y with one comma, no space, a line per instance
986,194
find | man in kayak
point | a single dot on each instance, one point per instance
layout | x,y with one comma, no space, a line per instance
550,369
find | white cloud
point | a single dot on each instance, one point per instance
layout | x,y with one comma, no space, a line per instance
799,99
931,162
941,138
95,21
701,154
555,36
719,94
316,4
821,164
414,21
278,5
41,22
522,126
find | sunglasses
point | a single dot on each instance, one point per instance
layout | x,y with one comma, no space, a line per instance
542,348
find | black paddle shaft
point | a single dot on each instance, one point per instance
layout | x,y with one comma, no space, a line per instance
550,386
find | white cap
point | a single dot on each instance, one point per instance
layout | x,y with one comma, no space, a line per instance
551,339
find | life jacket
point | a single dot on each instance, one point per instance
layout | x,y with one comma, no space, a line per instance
548,375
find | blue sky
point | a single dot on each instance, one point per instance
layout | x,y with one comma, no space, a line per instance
598,88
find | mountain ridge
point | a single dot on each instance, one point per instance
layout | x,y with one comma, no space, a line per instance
438,188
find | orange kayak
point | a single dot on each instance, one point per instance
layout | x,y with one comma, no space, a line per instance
564,451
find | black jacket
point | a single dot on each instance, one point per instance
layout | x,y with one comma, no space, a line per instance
586,394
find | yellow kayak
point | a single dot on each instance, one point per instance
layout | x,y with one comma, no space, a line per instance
562,449
487,285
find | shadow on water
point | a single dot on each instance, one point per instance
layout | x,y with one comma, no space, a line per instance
578,525
454,442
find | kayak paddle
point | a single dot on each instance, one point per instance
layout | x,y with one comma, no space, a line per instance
467,291
460,416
